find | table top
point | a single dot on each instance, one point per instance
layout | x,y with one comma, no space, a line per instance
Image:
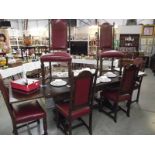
48,91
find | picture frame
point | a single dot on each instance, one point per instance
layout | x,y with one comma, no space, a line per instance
148,30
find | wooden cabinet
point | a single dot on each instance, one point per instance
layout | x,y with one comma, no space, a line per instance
129,40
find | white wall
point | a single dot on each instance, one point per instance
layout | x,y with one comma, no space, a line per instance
133,29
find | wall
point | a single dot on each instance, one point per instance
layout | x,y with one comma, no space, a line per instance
35,27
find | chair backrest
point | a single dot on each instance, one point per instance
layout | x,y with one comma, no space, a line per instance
128,79
5,93
82,90
106,36
59,34
139,62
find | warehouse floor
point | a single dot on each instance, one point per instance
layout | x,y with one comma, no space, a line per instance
141,121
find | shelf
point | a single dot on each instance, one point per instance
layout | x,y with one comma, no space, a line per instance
129,40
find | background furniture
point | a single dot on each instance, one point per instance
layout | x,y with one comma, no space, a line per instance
129,40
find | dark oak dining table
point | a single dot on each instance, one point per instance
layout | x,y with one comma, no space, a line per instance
49,91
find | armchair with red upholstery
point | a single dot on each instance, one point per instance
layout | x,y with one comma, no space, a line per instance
82,88
123,93
23,114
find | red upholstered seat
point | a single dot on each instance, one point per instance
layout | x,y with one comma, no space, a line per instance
56,57
27,112
64,109
111,54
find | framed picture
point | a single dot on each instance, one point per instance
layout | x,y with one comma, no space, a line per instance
148,30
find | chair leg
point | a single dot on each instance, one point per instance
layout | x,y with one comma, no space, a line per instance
90,123
128,108
15,131
138,93
115,112
70,127
45,125
38,122
57,119
100,104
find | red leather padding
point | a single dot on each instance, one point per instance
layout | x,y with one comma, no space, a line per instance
59,34
111,54
64,110
106,36
56,57
28,112
116,96
82,91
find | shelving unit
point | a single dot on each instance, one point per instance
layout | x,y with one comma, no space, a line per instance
93,40
39,45
129,41
92,47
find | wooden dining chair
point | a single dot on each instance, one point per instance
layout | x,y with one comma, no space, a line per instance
123,93
82,91
139,62
23,114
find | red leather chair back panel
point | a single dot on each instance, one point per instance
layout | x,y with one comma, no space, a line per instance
106,36
128,79
59,34
82,89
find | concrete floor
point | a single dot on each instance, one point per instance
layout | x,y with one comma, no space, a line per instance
141,121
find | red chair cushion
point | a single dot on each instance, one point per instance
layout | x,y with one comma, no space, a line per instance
28,112
115,96
56,57
111,54
64,110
